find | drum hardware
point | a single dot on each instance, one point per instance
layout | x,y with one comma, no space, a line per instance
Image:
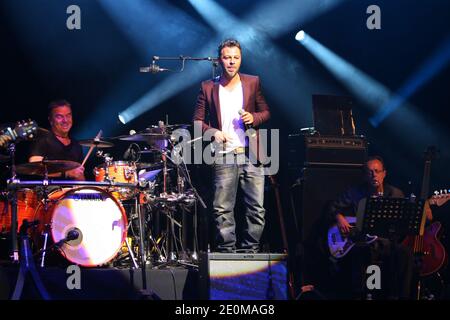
146,292
27,265
46,167
71,236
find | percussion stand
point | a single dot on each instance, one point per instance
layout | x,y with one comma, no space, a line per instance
13,198
171,238
182,168
45,232
26,261
145,292
27,265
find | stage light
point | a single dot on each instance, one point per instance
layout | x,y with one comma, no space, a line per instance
432,66
300,36
122,118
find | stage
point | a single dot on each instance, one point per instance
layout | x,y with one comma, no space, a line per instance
170,283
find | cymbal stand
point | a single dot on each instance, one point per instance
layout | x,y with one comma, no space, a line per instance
146,292
171,255
108,162
13,198
46,200
182,168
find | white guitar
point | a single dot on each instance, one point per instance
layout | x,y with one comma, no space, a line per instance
339,245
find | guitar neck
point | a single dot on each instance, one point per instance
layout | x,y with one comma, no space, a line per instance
426,180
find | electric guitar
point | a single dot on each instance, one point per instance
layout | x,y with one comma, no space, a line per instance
340,244
433,254
24,130
427,247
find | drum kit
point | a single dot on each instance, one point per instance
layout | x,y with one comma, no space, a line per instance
132,214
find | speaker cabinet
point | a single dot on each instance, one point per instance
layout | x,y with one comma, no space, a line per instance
313,192
317,188
234,276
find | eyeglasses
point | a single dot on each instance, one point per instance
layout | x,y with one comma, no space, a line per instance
375,171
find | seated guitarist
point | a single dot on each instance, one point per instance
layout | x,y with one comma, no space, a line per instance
397,262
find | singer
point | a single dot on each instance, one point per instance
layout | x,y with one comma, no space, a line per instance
219,108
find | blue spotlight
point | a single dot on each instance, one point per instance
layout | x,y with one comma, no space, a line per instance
279,17
122,118
405,124
428,70
300,36
259,50
166,89
359,83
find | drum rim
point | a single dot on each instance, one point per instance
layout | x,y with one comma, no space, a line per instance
118,163
73,190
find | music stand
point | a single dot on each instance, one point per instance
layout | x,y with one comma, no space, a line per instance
391,218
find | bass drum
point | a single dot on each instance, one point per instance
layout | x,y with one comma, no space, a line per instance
94,216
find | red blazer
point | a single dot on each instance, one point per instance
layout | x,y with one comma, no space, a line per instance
208,105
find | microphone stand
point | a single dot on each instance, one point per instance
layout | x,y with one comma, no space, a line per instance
214,61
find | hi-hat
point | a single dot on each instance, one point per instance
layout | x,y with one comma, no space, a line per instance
96,143
50,166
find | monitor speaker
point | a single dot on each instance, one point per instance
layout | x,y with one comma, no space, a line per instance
234,276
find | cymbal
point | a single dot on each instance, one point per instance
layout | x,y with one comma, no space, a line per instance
96,143
145,137
53,166
177,126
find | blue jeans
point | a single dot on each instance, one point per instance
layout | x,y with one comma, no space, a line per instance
227,179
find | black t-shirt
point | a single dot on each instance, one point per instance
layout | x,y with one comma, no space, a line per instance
51,148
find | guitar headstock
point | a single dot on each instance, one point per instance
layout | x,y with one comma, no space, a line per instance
24,130
440,197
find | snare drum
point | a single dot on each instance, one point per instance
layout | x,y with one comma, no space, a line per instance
118,171
97,217
26,205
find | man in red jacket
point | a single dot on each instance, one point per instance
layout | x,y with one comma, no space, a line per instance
226,107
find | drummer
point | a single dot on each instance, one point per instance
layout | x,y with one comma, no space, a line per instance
58,144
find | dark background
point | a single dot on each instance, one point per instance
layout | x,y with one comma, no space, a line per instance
97,68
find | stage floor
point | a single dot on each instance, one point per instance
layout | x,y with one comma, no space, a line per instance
168,283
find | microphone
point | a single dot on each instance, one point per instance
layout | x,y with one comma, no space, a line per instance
73,234
247,126
153,68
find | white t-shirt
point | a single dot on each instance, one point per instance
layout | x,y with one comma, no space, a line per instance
230,104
